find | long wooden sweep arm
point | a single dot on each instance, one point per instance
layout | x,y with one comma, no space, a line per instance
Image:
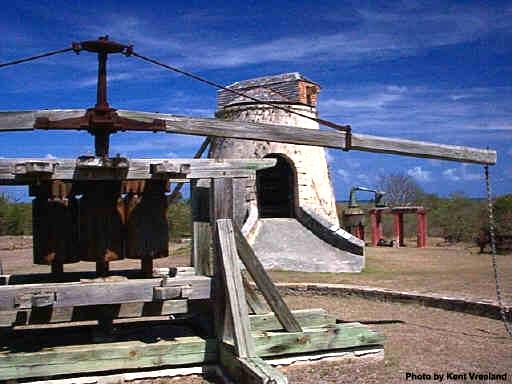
10,121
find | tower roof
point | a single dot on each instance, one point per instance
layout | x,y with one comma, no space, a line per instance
286,87
272,79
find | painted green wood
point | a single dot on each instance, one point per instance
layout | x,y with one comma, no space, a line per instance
307,318
176,351
315,339
108,356
256,305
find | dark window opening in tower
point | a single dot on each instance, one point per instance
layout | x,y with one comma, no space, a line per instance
276,189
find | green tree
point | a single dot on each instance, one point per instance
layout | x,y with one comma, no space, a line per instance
179,216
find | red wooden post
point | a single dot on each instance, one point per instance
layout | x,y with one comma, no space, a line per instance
421,229
398,228
401,232
375,219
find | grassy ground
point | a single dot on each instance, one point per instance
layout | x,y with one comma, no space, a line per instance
454,270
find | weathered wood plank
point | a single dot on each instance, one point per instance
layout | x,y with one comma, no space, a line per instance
256,305
53,315
221,207
138,169
202,255
235,293
422,149
97,293
24,120
265,284
174,351
307,318
248,370
303,136
108,356
256,370
345,335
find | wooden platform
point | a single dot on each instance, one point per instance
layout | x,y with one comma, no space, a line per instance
54,352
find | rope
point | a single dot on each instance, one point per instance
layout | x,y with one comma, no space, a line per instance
344,128
507,325
24,60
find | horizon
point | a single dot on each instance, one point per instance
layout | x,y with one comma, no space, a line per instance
440,73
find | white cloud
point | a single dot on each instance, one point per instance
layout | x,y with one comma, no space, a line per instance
50,156
451,174
345,175
462,173
420,174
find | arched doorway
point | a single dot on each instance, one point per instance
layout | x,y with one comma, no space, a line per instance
276,189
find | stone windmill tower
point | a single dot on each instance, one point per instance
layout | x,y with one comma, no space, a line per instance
295,198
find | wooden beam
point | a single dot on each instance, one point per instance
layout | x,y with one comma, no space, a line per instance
265,284
24,120
235,293
53,315
423,149
176,347
307,318
98,293
202,255
256,305
304,136
98,357
14,171
248,370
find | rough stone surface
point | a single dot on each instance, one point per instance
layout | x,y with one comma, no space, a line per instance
314,189
285,244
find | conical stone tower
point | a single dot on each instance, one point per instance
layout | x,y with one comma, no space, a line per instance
294,194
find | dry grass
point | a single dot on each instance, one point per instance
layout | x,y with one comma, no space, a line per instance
455,270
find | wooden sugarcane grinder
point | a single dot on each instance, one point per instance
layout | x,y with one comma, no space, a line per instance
100,208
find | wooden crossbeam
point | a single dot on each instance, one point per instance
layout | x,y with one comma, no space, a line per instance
21,170
45,356
24,120
99,293
303,136
265,284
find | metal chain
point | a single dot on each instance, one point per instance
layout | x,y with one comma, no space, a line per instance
507,325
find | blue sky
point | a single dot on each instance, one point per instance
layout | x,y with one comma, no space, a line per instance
433,71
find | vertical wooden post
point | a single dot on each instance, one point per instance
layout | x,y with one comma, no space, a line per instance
102,268
376,223
202,257
398,228
57,267
146,266
221,207
421,231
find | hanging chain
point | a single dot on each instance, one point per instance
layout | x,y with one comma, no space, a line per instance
492,236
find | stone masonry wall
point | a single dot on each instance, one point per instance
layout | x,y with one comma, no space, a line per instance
314,187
